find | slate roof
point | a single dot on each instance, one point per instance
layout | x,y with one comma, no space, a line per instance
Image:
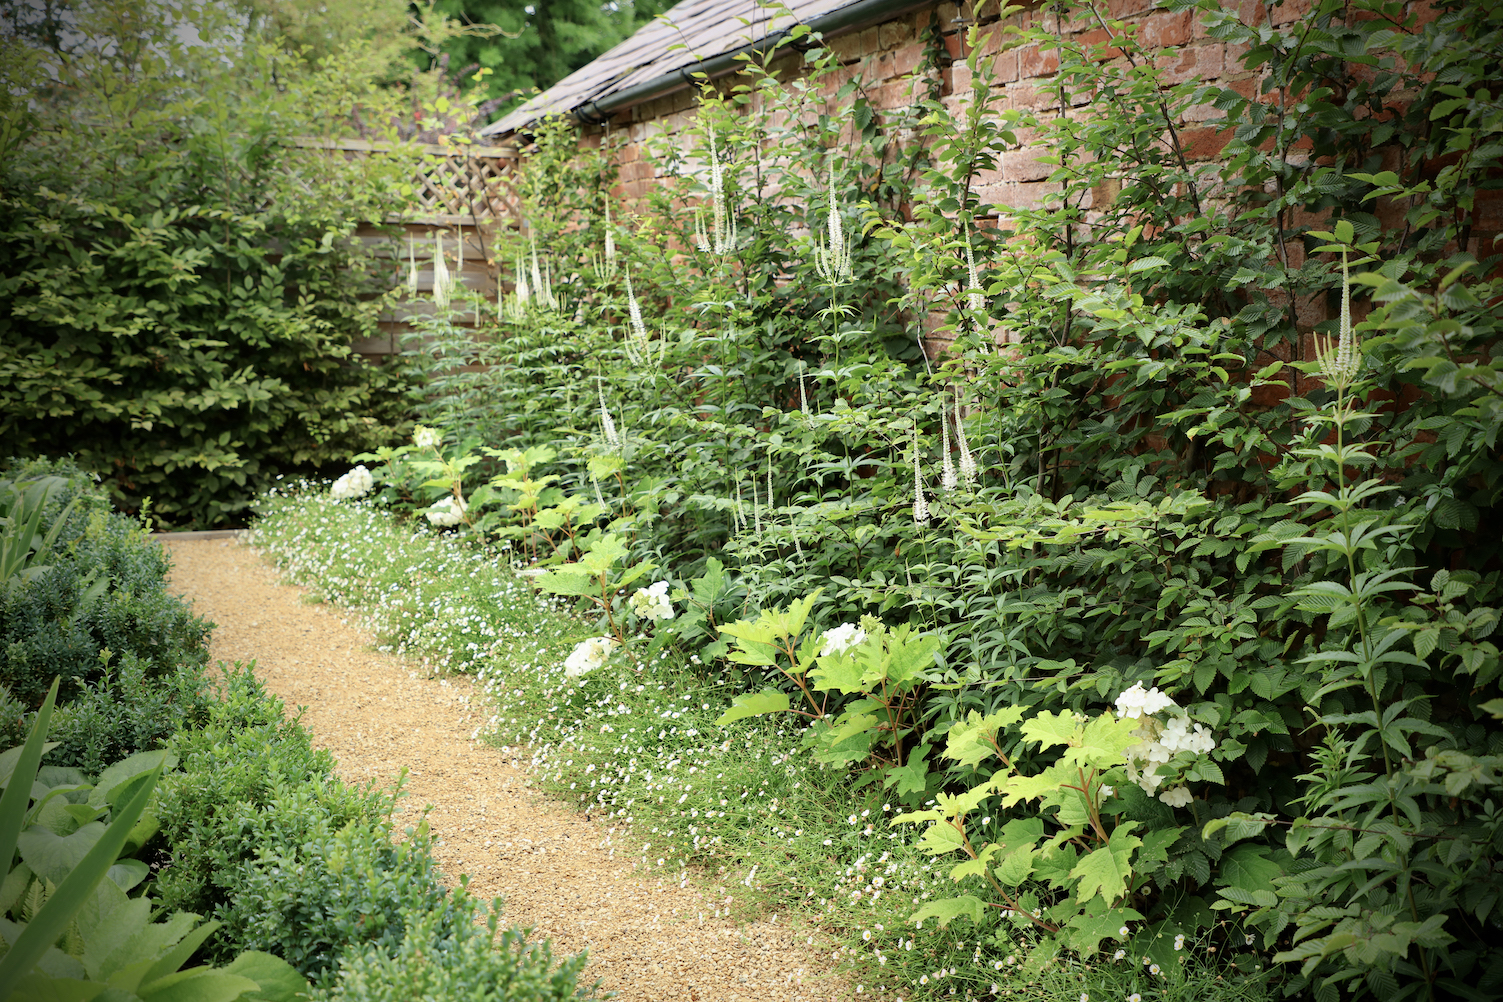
692,31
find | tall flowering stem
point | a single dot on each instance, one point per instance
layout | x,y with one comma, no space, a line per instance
920,504
967,461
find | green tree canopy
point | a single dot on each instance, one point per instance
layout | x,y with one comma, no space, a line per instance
543,41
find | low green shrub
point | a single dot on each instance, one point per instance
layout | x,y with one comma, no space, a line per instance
104,588
343,887
251,783
71,929
444,958
128,710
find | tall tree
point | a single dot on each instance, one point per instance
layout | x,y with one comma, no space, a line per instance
543,41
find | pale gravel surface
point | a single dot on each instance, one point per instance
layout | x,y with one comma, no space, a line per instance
648,938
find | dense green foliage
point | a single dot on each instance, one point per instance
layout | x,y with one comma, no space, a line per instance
179,286
296,863
1172,488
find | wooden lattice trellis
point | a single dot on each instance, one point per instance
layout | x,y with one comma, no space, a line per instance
464,194
455,184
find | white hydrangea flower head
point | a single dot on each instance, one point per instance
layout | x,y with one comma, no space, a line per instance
588,655
1135,702
652,602
426,438
839,639
447,511
356,483
1177,797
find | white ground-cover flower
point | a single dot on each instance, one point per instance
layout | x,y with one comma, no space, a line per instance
447,511
1135,701
426,438
839,639
588,655
652,602
354,484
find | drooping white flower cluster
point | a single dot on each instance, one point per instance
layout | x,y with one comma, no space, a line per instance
588,655
426,438
832,256
967,461
839,639
920,503
721,237
443,283
1340,361
975,299
447,511
607,424
356,483
1162,739
652,602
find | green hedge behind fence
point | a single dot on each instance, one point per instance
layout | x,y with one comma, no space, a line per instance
178,290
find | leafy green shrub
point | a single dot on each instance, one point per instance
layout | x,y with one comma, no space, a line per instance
341,888
71,921
292,861
443,958
128,710
104,588
179,292
1163,489
251,781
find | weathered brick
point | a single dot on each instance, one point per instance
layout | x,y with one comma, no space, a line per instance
891,34
1023,165
1097,44
961,78
1289,12
901,61
1487,213
1028,195
1122,10
1036,62
896,94
1203,144
1005,66
1205,60
1161,30
1027,96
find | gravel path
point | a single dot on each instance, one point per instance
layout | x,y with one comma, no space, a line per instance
648,938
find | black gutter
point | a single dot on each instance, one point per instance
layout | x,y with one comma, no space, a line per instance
856,15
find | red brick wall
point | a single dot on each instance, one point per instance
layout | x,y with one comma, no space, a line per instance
887,56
